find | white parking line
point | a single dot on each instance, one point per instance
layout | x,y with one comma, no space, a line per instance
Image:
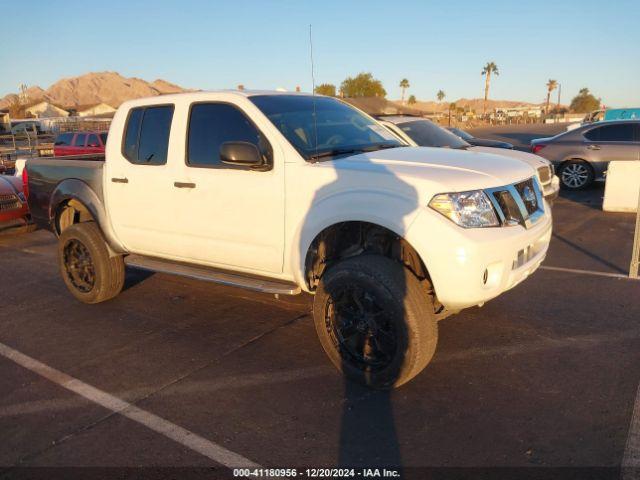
222,384
587,272
164,427
631,459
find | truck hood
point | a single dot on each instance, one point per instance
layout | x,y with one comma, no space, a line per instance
442,169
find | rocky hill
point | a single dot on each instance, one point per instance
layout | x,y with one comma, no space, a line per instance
113,88
91,88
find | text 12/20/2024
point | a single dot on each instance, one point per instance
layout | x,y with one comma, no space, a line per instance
316,472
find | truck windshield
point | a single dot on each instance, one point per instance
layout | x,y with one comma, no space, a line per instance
339,128
428,134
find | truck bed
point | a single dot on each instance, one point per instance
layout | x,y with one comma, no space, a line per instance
47,174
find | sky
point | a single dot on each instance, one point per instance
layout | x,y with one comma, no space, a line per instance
265,44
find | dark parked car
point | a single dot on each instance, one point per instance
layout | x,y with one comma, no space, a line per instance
583,154
79,143
479,142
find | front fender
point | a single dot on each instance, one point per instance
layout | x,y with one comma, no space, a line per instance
386,209
74,189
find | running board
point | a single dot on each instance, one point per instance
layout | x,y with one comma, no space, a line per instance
208,274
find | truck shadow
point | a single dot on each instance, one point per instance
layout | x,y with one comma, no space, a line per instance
368,434
134,276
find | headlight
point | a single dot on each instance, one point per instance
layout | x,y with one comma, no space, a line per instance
467,209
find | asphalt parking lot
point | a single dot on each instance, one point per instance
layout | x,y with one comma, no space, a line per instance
545,375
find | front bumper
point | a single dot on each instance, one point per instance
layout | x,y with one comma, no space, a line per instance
470,266
15,218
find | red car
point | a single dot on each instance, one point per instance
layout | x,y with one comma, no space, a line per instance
79,143
14,211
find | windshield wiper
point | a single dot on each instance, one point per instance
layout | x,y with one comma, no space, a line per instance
334,152
383,146
350,151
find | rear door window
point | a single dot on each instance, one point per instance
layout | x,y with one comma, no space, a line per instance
80,140
146,139
64,139
611,133
130,147
93,141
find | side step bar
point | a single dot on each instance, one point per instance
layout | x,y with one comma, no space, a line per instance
208,274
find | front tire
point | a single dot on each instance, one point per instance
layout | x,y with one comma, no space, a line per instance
375,320
576,175
88,271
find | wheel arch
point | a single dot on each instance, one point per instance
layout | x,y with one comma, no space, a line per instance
73,201
574,158
346,239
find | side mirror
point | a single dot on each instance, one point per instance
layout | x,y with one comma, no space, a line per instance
243,154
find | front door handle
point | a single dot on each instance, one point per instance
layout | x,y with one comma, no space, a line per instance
120,180
593,147
184,185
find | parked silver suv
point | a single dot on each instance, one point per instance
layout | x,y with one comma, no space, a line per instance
582,155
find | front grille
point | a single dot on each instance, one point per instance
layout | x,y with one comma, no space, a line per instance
9,202
545,174
508,207
528,195
519,203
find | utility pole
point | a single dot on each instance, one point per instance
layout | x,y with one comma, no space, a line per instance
634,268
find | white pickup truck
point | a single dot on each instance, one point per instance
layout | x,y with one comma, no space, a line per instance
289,193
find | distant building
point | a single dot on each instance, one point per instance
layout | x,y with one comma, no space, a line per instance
98,109
521,111
5,120
45,110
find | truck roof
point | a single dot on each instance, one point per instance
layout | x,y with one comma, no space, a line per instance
206,95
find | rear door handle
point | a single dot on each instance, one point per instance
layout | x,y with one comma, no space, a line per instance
184,185
120,180
593,147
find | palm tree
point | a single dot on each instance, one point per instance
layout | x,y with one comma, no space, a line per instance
488,69
404,84
551,86
440,95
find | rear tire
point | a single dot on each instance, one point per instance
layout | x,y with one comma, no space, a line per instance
90,274
576,175
375,321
